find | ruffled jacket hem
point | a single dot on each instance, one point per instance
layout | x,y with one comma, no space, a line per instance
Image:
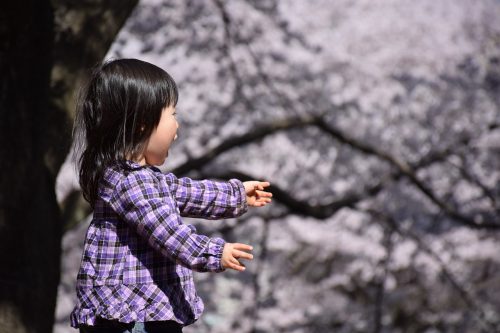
124,314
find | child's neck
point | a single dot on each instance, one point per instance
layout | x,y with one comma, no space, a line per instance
139,159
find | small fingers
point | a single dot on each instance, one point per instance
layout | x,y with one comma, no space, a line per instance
261,185
242,247
264,194
261,201
236,265
242,255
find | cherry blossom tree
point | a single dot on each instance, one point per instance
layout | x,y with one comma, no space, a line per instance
377,124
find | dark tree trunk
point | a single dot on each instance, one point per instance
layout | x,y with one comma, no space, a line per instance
30,228
43,54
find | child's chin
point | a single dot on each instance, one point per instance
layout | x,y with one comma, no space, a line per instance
158,162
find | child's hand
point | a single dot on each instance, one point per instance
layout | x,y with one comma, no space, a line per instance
232,253
256,196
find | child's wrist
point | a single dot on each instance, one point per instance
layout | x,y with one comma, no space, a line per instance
216,249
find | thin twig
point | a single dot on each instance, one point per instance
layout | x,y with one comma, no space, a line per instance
466,296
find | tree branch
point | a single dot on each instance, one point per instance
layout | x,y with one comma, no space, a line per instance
468,299
469,176
258,270
324,211
380,280
402,166
406,170
256,134
301,207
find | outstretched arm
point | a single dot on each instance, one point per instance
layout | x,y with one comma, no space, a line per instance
151,212
214,200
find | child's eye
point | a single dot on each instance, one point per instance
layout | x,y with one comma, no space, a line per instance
174,114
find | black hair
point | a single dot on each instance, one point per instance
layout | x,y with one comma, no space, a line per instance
118,108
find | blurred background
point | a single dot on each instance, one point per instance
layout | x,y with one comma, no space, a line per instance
377,123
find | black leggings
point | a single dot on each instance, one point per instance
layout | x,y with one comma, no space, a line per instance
114,326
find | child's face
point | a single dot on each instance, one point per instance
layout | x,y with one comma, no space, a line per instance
162,137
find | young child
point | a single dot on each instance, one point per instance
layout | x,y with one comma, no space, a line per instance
138,258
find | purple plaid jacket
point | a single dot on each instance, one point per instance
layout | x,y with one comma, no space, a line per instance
138,256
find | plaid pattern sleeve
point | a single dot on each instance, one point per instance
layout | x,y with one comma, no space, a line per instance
145,203
208,199
138,256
